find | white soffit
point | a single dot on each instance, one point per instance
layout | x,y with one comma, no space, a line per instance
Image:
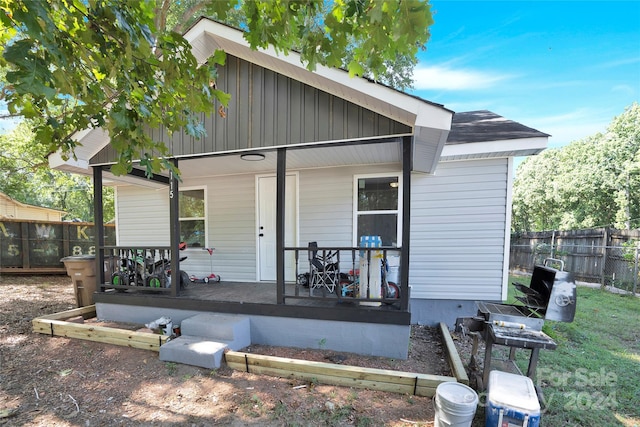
508,148
113,180
90,142
79,166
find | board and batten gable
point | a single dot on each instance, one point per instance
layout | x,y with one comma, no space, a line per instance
268,109
458,231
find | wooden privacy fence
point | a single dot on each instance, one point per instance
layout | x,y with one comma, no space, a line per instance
38,246
601,255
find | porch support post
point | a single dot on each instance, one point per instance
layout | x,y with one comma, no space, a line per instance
281,178
98,225
174,231
407,159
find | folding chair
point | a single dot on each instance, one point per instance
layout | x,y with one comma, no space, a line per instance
324,269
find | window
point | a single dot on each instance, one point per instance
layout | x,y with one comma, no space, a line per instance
192,217
377,208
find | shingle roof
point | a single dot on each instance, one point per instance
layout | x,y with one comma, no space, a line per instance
484,125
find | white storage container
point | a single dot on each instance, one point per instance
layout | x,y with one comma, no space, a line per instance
370,274
512,401
454,405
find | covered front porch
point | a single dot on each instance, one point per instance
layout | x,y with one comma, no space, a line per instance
312,296
336,295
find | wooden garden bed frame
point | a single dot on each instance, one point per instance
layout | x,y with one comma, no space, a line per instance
58,324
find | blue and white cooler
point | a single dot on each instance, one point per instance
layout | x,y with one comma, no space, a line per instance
512,401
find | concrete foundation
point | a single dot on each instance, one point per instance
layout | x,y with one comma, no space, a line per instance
361,338
432,312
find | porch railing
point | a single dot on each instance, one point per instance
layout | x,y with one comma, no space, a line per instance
349,274
363,275
137,268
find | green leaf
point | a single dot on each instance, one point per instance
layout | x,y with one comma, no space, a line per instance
222,97
355,69
218,57
83,61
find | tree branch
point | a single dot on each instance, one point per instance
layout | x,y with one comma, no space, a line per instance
188,14
161,16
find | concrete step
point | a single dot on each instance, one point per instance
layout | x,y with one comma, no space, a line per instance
205,337
196,351
232,329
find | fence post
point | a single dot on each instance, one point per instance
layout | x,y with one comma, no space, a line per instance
26,247
635,270
605,241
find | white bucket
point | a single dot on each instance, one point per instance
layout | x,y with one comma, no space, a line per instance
455,405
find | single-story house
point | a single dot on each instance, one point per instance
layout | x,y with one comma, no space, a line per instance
318,157
13,209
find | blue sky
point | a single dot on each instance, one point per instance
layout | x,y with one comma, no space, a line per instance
564,68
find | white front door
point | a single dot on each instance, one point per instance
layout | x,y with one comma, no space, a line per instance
267,226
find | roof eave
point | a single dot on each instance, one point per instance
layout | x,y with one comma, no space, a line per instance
499,148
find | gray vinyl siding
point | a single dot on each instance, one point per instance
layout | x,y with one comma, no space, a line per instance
458,231
457,224
326,204
231,220
143,216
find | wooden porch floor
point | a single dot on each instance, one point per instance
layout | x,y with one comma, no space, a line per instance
260,298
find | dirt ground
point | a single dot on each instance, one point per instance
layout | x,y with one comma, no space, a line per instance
53,381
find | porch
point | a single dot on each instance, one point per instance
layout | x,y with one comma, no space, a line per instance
308,292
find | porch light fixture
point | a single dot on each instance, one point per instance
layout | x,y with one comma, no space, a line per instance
252,157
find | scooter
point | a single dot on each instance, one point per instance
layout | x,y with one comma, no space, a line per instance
212,277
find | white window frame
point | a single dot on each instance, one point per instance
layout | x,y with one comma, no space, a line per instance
205,217
398,211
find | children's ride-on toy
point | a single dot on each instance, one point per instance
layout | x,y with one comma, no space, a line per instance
212,277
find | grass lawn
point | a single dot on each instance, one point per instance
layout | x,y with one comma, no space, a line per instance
593,377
